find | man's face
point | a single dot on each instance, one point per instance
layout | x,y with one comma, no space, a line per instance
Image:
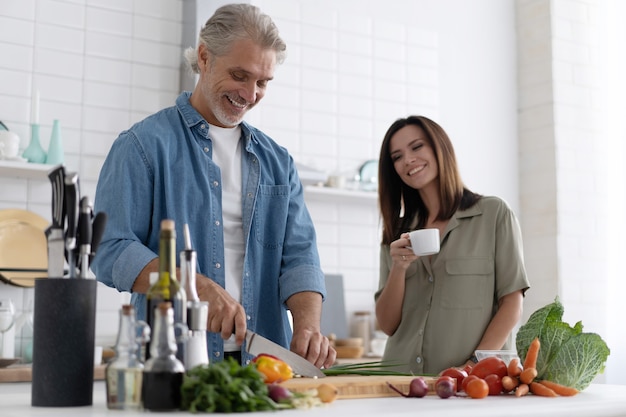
232,84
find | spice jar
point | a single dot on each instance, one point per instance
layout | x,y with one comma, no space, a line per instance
362,327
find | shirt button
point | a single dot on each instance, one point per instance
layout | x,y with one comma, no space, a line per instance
248,317
206,149
218,265
217,354
217,222
249,195
215,183
202,126
418,359
430,278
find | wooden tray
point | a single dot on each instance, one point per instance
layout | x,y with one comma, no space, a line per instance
357,386
24,373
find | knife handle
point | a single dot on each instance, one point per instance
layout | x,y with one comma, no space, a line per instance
71,199
99,223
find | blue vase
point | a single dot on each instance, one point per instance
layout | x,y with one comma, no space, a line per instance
55,149
34,152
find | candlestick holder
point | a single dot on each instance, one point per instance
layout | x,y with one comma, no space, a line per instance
34,152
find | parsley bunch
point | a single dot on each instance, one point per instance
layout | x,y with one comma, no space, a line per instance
225,387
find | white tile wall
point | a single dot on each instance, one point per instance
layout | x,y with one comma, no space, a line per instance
99,66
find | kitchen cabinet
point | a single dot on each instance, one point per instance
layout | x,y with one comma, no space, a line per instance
597,400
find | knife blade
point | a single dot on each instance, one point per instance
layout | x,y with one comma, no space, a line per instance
257,344
56,246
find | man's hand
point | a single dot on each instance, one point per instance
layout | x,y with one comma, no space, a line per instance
308,341
315,347
225,313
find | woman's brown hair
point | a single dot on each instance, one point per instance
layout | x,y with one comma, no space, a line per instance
401,205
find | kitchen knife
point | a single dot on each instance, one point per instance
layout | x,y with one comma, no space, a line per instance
84,235
97,229
56,246
72,197
55,234
257,344
57,179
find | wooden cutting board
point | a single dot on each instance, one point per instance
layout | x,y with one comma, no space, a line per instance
24,373
359,386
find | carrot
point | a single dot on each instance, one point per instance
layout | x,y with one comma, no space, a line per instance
509,383
560,389
521,390
513,369
527,375
531,355
541,390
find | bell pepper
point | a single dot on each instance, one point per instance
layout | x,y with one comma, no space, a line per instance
272,368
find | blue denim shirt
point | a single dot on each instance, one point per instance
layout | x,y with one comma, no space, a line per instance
162,168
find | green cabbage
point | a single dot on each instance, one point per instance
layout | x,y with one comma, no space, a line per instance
567,355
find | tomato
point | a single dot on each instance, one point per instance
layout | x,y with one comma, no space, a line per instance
466,381
477,388
456,373
488,366
495,384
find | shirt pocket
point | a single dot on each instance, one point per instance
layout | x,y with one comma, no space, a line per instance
468,284
270,215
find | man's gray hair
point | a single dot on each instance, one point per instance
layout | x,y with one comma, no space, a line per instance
234,22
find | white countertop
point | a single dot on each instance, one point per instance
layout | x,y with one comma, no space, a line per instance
597,400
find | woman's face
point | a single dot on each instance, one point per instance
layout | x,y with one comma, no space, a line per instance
413,158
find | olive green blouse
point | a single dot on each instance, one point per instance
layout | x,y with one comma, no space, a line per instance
451,297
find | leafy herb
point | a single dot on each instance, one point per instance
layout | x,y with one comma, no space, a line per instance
226,387
567,355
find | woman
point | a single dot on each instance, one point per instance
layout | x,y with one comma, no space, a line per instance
438,309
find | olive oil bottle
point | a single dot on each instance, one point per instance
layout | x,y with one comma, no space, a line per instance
167,287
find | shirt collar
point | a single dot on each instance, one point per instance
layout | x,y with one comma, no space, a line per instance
191,117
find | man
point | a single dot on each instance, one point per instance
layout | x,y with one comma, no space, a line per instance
198,163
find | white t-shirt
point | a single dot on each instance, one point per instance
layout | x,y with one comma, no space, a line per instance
227,155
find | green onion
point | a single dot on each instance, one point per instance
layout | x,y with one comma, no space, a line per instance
365,368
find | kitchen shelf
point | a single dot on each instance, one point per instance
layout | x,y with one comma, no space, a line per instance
16,169
321,193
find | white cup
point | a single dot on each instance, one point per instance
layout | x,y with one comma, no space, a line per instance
424,241
9,144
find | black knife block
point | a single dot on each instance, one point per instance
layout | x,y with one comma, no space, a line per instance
63,342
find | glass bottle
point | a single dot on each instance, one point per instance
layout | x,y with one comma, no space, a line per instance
34,152
55,148
125,371
196,352
167,287
163,372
